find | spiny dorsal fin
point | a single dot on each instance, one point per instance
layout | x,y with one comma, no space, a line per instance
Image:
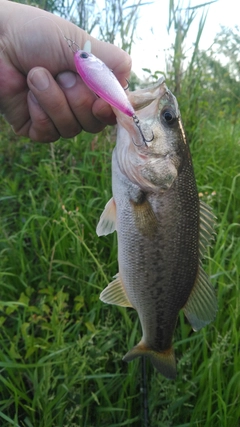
115,293
107,222
201,306
207,222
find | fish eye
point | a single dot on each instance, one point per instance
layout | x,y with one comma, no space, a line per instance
168,116
84,55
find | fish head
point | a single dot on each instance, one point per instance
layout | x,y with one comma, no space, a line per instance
152,151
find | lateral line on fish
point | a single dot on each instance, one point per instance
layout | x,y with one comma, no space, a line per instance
182,131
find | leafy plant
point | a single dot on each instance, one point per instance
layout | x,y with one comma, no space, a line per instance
61,348
115,23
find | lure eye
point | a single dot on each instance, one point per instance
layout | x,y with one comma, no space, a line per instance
84,55
168,116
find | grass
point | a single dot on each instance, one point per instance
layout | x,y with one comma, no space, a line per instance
61,348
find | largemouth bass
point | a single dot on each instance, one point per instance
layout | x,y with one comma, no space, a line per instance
162,227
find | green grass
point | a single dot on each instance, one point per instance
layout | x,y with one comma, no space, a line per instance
61,348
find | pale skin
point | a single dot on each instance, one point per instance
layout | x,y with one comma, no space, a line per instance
41,95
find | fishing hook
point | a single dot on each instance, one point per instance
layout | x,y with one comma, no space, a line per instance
126,88
71,44
137,123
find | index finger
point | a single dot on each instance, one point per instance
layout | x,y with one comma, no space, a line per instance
37,38
115,58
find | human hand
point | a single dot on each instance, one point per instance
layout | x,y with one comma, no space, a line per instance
41,95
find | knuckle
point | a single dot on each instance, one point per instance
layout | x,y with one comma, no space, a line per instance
22,130
94,127
43,137
72,132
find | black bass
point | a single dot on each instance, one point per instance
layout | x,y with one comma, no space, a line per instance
162,227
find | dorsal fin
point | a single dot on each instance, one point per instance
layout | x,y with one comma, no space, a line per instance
207,222
201,306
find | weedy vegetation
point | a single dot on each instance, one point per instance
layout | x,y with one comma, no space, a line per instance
60,347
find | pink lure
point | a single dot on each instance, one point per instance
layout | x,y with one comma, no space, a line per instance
101,80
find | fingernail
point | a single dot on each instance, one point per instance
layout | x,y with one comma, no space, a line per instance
33,98
39,79
67,79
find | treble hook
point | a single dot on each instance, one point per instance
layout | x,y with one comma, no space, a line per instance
137,123
127,87
71,44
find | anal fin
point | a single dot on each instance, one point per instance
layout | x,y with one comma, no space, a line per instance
115,293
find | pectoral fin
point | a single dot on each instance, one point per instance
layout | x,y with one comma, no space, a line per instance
115,293
107,222
164,362
145,218
201,306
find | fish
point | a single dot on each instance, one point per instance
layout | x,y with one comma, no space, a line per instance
163,229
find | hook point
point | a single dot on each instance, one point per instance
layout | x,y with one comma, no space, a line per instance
137,123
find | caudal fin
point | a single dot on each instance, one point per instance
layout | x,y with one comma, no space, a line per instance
164,362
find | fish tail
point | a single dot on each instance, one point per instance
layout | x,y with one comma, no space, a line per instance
164,361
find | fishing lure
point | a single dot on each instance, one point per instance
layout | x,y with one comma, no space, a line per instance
101,80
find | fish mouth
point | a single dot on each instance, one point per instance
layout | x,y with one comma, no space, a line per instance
143,128
143,133
145,102
142,98
149,103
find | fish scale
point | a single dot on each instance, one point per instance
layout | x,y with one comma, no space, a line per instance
155,210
